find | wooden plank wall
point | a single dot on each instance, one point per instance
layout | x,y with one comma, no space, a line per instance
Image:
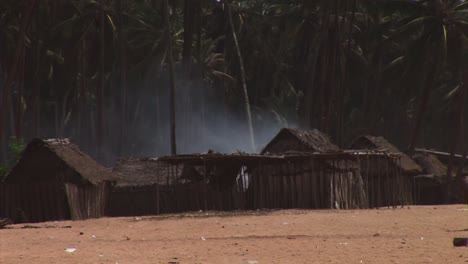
33,202
87,201
307,185
428,191
377,182
200,196
384,182
173,199
133,201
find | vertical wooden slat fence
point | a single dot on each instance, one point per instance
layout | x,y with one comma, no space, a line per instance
87,201
344,181
33,202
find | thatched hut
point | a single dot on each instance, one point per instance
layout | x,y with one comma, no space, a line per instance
147,186
315,173
406,164
377,172
429,186
54,180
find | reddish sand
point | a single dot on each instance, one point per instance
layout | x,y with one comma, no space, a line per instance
415,235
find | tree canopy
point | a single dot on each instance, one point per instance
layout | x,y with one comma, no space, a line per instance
97,71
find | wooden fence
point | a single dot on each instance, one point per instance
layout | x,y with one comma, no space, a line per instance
310,184
51,201
368,181
150,200
88,201
384,182
303,181
34,202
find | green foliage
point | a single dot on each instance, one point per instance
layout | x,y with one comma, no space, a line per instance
15,147
3,172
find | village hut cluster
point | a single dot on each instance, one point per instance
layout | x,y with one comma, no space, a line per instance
54,180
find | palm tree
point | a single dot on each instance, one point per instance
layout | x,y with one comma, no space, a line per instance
172,95
439,27
14,73
435,25
331,64
242,77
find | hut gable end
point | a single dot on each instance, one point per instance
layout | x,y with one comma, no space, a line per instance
56,160
298,140
408,165
431,165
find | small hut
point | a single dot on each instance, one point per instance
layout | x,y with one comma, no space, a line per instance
315,174
147,186
407,165
377,172
54,180
429,186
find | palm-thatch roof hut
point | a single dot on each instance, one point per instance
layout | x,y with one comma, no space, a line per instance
53,180
307,178
376,171
299,140
367,142
295,142
431,165
429,186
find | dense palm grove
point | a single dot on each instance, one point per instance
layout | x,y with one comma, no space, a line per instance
101,72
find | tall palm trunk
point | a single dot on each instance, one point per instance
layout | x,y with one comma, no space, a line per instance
102,80
83,121
242,73
428,85
12,75
123,75
170,59
19,99
462,142
458,140
464,92
199,12
462,134
36,92
189,25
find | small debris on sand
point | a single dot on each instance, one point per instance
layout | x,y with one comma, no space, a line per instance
70,250
460,242
4,222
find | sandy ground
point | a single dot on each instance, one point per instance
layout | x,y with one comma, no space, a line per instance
414,235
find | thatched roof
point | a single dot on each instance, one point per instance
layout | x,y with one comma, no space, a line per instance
308,141
430,164
51,155
381,144
146,172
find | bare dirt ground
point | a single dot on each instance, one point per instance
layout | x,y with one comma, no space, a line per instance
414,235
